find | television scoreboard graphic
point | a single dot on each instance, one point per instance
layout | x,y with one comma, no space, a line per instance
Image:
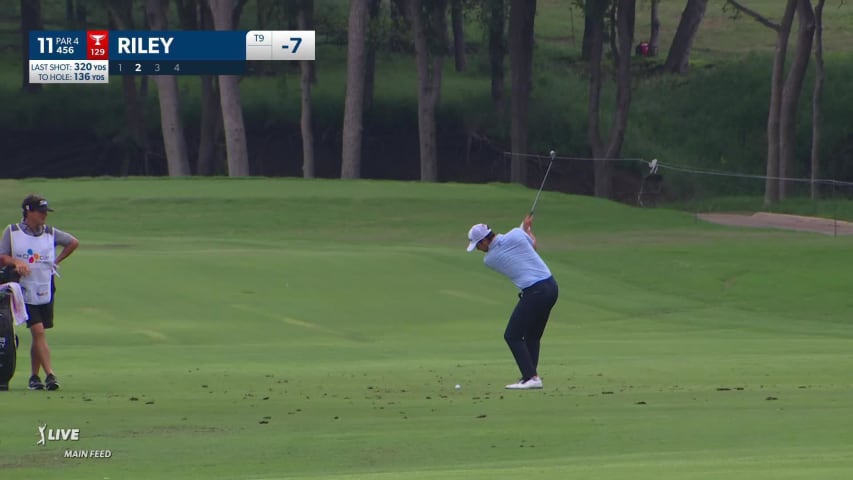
91,56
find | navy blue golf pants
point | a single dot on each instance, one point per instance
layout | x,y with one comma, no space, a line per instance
527,324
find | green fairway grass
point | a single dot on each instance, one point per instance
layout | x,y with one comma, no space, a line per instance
284,328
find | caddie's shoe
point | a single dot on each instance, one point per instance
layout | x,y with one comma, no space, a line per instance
51,382
4,387
529,384
35,383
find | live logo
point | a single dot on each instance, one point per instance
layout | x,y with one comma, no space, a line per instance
97,45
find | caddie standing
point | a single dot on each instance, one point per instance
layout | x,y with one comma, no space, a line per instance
31,247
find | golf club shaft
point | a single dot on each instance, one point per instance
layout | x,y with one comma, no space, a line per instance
533,208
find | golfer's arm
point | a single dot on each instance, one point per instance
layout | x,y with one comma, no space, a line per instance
529,231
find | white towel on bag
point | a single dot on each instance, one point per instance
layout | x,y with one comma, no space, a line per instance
19,309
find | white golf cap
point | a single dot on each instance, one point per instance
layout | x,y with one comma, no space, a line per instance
477,233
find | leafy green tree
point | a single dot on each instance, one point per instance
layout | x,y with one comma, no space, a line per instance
784,92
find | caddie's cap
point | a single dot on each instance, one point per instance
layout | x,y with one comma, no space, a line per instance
35,203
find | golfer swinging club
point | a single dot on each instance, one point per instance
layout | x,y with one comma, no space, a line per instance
513,254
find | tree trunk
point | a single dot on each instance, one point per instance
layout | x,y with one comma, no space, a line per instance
678,59
595,30
521,25
30,21
306,6
211,110
625,22
308,162
791,96
135,119
120,17
354,105
771,188
210,128
195,15
135,115
236,149
603,152
654,36
458,21
232,121
777,84
429,25
373,8
588,33
308,170
497,50
817,99
174,141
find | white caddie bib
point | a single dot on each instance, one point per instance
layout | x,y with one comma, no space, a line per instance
39,253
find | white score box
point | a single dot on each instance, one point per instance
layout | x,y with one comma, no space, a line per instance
69,71
280,45
293,45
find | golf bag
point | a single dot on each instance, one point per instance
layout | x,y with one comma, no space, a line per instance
8,339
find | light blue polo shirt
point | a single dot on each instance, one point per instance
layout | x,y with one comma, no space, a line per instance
512,254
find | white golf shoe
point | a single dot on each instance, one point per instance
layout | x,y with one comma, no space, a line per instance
529,384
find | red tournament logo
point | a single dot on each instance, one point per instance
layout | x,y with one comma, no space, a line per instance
97,45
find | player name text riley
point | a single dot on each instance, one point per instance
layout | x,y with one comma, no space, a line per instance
144,45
